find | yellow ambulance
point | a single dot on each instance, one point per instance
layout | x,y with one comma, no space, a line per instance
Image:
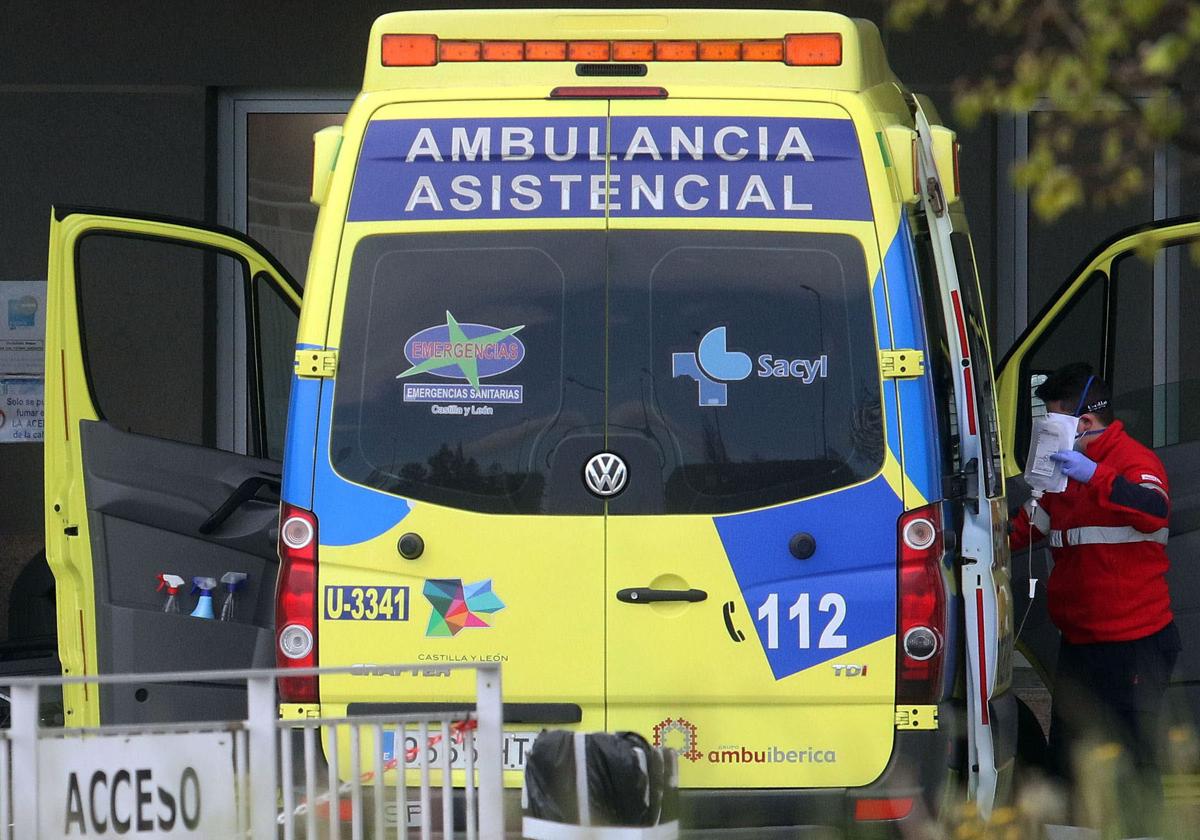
641,352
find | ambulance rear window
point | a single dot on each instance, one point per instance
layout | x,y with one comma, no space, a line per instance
468,362
743,368
729,369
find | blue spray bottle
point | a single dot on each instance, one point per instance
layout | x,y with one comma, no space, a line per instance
205,586
234,581
171,583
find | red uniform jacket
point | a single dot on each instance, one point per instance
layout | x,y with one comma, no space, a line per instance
1108,538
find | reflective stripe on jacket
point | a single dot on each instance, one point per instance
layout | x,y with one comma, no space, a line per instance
1104,535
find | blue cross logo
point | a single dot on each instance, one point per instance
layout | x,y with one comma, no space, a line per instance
712,366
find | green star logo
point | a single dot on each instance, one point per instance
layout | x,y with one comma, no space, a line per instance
463,351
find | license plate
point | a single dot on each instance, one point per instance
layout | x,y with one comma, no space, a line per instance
514,753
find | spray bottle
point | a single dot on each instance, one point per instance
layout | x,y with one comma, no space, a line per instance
171,583
233,581
205,586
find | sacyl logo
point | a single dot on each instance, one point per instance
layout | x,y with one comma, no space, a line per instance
713,365
605,474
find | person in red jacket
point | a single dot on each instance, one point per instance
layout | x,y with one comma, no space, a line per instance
1108,590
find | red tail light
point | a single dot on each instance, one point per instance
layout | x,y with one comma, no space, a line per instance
296,603
921,636
882,809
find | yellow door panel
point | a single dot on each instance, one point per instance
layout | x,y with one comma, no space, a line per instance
743,357
468,321
70,401
544,615
1012,380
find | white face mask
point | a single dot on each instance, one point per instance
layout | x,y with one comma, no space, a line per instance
1079,438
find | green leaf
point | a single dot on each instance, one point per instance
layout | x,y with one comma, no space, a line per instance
1163,57
1112,147
1162,114
1141,12
1058,191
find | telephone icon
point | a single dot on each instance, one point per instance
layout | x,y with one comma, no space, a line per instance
734,633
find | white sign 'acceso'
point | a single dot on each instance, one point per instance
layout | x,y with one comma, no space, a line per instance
162,785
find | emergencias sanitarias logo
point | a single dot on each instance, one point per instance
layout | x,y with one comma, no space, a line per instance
464,351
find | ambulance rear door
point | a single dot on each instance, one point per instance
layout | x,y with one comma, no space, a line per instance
751,557
469,323
168,352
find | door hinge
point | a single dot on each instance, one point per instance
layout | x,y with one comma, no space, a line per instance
916,717
902,364
316,364
963,486
299,711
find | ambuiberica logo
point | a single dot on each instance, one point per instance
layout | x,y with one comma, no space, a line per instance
463,351
713,365
683,736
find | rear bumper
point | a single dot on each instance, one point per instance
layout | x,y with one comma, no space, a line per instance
925,767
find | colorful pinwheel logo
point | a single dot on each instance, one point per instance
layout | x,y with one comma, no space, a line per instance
457,606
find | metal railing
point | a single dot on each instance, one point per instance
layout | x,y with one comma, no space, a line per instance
243,778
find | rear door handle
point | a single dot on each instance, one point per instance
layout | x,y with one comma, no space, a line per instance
646,595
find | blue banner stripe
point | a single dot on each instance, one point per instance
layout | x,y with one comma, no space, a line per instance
538,167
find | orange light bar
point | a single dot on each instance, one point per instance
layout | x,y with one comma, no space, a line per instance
762,51
545,50
720,50
409,50
813,50
633,50
797,50
503,51
675,51
587,50
460,51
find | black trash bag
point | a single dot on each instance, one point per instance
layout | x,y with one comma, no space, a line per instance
625,779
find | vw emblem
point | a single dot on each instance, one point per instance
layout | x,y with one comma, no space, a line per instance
605,474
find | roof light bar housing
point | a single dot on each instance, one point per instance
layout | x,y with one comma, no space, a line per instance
809,49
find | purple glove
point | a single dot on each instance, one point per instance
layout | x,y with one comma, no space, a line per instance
1075,465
